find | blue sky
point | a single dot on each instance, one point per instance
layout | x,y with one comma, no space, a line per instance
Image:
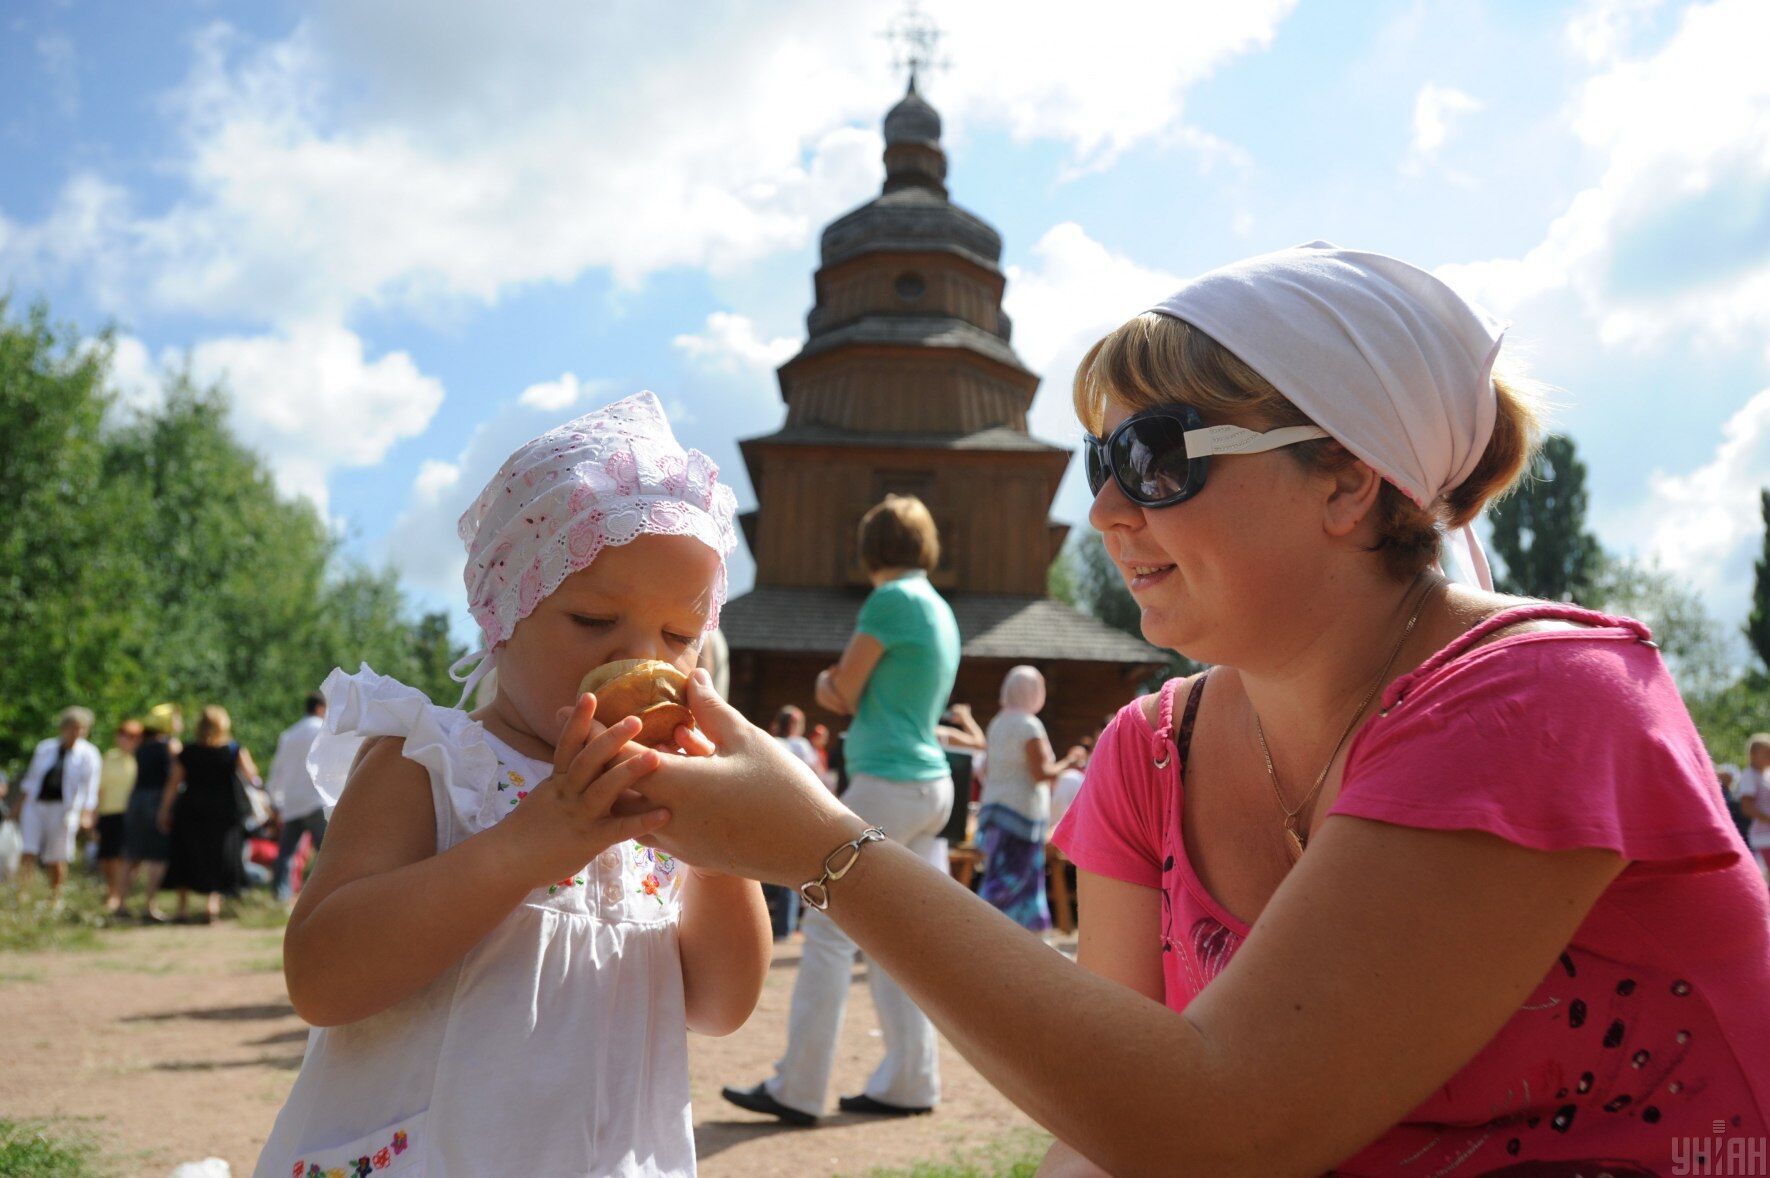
410,235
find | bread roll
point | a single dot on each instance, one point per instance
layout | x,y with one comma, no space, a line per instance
652,690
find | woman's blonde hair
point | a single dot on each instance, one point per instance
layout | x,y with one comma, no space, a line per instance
214,726
1158,360
899,533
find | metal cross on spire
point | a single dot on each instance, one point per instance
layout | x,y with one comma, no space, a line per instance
914,39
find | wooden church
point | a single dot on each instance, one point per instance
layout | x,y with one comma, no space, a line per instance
908,383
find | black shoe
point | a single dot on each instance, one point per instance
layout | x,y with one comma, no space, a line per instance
878,1108
760,1100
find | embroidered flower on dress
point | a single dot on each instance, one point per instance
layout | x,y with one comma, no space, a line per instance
569,882
362,1166
650,886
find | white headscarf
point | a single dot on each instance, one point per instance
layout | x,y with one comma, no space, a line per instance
1382,355
1023,690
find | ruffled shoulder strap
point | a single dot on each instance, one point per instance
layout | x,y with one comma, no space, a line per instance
448,743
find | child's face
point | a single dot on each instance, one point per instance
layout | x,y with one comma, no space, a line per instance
1760,757
644,600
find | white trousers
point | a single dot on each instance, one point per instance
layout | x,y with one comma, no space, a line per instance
912,812
49,829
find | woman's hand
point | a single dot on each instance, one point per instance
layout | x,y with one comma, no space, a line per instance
584,807
751,808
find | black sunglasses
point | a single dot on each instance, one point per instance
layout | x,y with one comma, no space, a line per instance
1159,457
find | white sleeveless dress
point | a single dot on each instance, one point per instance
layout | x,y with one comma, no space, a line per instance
557,1046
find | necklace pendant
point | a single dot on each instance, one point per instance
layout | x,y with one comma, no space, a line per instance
1293,842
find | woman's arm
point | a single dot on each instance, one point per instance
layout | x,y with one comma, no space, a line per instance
726,945
249,766
169,795
839,688
1041,762
967,735
1120,939
379,874
1355,996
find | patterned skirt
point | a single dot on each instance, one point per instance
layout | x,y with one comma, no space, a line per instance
1014,867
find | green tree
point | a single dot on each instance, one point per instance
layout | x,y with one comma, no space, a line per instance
1695,646
149,557
52,406
1757,623
1540,529
1727,717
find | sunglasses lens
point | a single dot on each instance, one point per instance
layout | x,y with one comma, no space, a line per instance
1150,458
1095,463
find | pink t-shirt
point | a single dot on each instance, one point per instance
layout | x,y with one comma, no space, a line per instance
1647,1043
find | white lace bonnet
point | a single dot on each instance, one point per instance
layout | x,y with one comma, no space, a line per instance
595,482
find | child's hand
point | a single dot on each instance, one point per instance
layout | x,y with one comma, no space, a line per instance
693,742
584,807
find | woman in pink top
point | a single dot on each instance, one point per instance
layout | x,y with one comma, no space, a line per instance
1418,880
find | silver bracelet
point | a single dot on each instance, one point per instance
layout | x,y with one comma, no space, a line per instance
817,892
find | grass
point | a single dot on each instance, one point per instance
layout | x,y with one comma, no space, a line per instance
28,922
256,908
1016,1156
27,1150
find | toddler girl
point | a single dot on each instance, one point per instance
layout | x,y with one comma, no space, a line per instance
499,978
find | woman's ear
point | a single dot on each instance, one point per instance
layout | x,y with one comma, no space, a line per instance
1351,497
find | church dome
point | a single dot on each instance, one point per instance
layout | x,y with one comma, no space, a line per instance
912,120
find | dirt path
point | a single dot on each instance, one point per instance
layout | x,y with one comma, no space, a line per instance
174,1044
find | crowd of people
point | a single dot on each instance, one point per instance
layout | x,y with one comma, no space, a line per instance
195,818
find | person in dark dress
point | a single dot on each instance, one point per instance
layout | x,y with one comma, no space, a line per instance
202,814
144,843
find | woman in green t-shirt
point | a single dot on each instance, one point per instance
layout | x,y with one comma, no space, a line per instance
894,679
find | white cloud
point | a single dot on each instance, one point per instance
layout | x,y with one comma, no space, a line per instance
1074,292
731,343
1602,30
1436,108
56,54
422,543
349,165
557,395
1673,238
307,398
1706,524
1103,76
135,380
1669,247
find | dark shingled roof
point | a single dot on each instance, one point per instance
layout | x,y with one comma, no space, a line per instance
999,438
991,626
926,331
910,219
